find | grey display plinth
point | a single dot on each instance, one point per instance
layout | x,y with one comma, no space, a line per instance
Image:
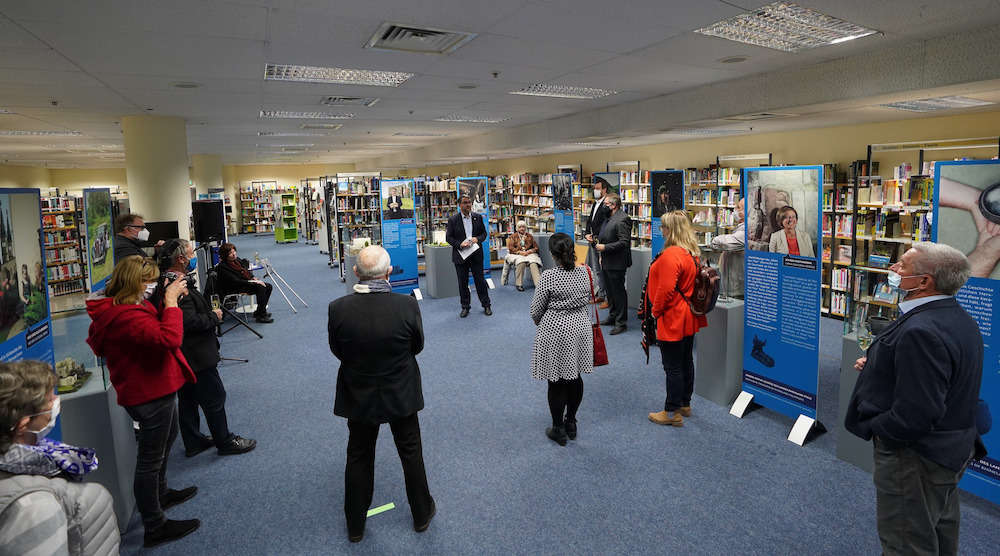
93,418
850,448
350,278
440,280
635,276
718,360
543,251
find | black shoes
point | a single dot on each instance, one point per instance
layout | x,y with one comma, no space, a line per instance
520,288
237,445
608,321
557,434
204,443
618,330
488,311
464,313
171,530
265,318
570,427
758,352
175,497
356,537
423,527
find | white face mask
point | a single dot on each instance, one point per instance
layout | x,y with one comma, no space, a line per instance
149,290
598,193
143,235
895,279
54,413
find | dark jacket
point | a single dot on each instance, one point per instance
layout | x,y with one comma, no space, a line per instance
617,239
455,235
229,280
596,223
376,336
200,346
920,384
126,247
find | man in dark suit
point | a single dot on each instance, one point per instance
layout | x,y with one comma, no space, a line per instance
377,334
465,229
599,214
130,233
395,205
916,398
614,243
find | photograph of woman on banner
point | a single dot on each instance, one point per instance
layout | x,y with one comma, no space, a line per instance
783,210
969,200
663,203
562,190
789,240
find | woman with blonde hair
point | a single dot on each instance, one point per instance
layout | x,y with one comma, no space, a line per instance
142,348
671,284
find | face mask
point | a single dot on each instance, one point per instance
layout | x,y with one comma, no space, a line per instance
143,235
896,279
598,193
149,290
192,264
41,433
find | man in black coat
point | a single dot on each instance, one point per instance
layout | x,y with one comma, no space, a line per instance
377,334
916,398
465,229
201,349
599,214
614,243
130,233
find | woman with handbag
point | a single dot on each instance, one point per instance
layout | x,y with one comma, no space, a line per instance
671,284
564,342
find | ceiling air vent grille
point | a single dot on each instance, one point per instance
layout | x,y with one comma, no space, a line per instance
392,36
348,101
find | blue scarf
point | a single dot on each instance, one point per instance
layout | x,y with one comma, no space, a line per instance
49,458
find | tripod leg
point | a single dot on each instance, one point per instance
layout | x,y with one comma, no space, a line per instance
277,286
291,289
235,359
239,322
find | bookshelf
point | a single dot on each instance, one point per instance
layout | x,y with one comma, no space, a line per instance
636,202
442,202
583,203
702,201
358,211
257,207
309,207
286,217
837,243
65,262
525,193
501,216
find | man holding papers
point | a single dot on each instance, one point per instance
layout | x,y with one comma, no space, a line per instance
466,234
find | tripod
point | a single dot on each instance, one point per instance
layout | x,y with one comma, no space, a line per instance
278,281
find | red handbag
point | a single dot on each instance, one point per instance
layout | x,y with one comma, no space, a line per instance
600,351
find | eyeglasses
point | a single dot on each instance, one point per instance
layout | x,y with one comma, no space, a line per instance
143,227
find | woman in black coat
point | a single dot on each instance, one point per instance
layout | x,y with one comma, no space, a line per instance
234,277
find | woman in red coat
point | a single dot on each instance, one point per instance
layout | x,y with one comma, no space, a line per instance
671,283
142,348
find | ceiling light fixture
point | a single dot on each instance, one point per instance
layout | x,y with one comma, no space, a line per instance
563,91
349,101
471,119
331,127
289,114
297,145
786,26
703,131
5,111
185,85
291,134
37,133
418,134
342,76
937,103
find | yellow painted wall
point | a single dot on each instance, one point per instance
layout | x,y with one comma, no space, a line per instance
285,174
73,180
24,176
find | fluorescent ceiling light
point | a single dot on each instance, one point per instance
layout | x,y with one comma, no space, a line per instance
291,134
331,127
302,145
703,131
471,119
418,134
938,103
37,133
289,114
787,27
343,76
5,111
349,101
595,145
563,91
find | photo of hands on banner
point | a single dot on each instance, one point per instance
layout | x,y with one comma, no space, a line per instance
969,201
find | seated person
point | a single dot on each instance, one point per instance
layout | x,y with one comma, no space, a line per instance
234,276
45,508
523,252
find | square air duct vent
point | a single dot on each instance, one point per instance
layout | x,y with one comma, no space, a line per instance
757,116
408,38
348,101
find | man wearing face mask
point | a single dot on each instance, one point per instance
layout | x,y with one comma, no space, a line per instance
130,234
916,398
599,214
201,350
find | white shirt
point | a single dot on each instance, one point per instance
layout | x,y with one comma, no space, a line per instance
467,220
597,205
908,305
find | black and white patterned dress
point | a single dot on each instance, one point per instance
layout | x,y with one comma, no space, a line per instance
564,341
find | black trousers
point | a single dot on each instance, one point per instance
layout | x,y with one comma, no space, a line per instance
209,394
678,365
263,293
916,502
157,431
614,284
359,477
482,290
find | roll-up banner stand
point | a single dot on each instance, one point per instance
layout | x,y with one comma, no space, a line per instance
25,316
666,190
477,190
967,217
100,252
562,203
783,277
399,232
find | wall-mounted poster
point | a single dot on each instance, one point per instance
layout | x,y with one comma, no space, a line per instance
782,276
667,194
475,188
562,202
399,233
97,217
967,217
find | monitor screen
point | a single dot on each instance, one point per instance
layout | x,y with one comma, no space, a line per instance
161,230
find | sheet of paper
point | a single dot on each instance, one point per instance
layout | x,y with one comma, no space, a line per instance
465,253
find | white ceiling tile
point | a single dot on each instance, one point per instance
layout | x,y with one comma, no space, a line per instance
533,53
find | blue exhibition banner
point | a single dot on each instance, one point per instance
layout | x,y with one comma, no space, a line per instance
783,277
666,189
967,217
399,232
476,188
562,203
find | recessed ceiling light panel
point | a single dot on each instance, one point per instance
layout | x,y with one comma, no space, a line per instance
419,134
331,127
290,114
471,119
786,26
700,131
37,133
563,91
298,145
291,134
342,76
938,103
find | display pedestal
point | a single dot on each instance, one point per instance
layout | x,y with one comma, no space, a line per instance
350,278
439,280
850,448
92,418
543,251
635,276
718,360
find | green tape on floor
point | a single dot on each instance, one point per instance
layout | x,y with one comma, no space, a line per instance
380,509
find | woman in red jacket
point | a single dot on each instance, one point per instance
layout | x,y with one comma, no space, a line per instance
142,348
671,283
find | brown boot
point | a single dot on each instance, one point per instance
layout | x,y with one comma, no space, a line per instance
664,418
685,410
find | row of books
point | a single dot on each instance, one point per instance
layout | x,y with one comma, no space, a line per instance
366,218
635,195
58,203
696,175
728,175
633,177
57,255
839,199
64,271
839,303
358,203
60,236
638,211
58,220
840,279
839,225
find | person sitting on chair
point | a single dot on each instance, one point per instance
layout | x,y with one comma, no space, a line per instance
523,253
235,277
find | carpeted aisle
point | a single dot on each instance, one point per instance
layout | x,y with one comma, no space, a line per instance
717,485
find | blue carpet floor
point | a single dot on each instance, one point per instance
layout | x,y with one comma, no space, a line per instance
717,485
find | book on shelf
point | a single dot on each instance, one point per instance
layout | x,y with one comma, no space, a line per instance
844,253
826,251
884,292
876,260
